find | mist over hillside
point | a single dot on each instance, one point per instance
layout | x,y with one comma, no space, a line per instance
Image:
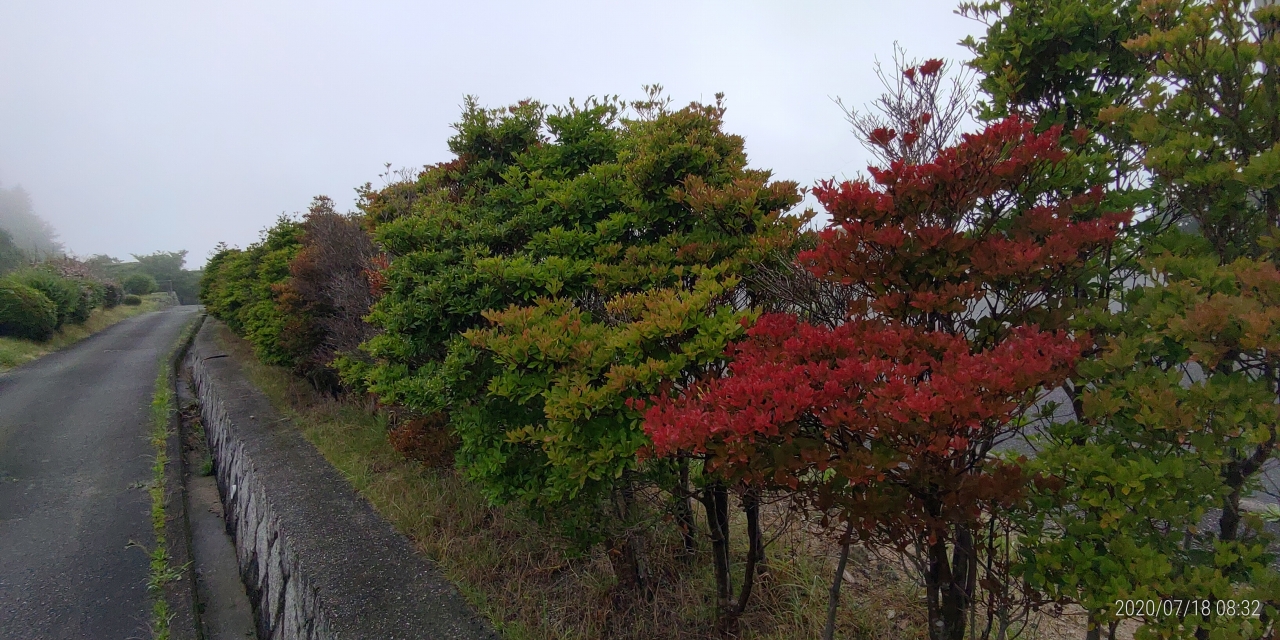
27,231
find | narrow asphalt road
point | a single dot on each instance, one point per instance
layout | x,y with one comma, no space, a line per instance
75,461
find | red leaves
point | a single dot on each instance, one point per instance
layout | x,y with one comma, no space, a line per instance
891,407
904,398
915,240
866,376
883,136
931,67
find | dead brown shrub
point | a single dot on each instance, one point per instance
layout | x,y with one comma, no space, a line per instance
427,440
329,279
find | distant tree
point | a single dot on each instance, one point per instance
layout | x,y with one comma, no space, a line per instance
103,266
167,269
11,257
139,284
28,231
162,265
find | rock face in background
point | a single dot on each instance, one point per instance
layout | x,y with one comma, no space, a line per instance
317,561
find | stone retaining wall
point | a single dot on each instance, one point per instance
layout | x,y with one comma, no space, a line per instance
317,561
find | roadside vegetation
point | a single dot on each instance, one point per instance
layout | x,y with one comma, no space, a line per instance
15,351
49,299
599,368
162,570
533,584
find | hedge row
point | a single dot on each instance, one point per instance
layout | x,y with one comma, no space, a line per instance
603,301
36,302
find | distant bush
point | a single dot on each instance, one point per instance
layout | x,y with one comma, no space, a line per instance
131,300
112,295
92,296
65,293
139,284
26,313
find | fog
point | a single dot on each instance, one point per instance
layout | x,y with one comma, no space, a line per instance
144,126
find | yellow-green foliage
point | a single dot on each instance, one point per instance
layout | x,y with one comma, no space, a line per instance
593,253
1177,409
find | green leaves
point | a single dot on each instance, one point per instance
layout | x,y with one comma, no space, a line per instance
1177,406
567,263
1208,120
1162,423
242,288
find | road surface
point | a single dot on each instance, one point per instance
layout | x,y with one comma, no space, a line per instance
75,461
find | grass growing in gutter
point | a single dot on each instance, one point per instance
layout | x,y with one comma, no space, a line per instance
14,351
162,570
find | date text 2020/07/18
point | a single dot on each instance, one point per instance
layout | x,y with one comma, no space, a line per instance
1188,606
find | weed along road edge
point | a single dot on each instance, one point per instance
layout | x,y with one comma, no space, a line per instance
75,462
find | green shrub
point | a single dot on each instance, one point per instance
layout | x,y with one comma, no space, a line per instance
92,296
132,300
64,292
112,295
26,313
139,284
246,289
613,244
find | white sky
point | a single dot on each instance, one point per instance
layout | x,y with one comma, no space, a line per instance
144,126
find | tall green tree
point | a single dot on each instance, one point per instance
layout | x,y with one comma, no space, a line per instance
167,267
11,257
1066,64
1180,409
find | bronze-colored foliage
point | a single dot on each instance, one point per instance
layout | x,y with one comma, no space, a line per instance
327,294
427,439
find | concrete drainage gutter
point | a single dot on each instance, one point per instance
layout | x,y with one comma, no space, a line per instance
317,561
